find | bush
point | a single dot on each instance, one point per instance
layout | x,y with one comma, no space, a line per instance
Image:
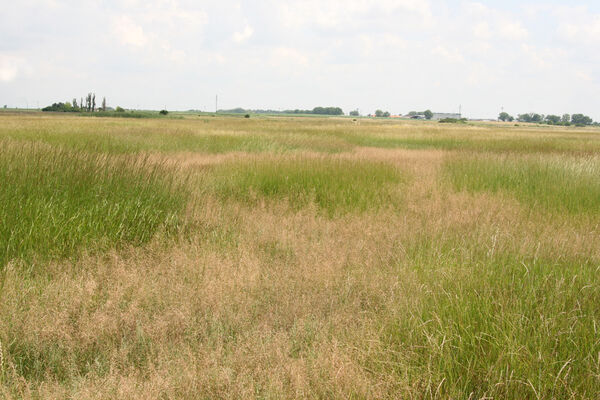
247,116
60,107
163,112
453,121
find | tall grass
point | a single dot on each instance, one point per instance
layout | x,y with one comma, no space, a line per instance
494,324
335,186
55,202
282,135
549,183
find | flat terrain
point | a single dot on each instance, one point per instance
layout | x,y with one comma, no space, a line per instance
223,257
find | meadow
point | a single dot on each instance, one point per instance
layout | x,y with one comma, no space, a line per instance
289,257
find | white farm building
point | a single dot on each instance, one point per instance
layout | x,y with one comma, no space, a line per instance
445,115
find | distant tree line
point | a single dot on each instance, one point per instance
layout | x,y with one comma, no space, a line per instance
428,114
316,110
382,114
84,105
550,119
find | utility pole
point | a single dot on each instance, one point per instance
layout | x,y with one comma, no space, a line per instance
216,103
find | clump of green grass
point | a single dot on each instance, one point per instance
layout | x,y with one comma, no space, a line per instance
55,202
555,184
496,325
335,186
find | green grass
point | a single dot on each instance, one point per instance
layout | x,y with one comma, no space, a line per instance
499,325
551,183
55,202
280,135
335,186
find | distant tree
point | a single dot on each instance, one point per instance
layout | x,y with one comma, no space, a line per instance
328,111
552,119
5,106
119,109
537,118
163,112
565,119
504,116
75,103
524,117
580,119
379,113
247,116
104,104
354,113
413,113
59,107
386,114
88,102
428,114
94,102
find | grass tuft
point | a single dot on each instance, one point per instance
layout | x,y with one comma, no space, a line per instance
55,201
335,186
552,184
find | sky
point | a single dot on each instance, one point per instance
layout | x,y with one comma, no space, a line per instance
394,55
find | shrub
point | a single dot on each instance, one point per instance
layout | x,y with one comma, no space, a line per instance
163,112
453,121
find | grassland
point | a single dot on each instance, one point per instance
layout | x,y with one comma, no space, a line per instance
215,257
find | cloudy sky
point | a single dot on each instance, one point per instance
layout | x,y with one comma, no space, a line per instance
397,55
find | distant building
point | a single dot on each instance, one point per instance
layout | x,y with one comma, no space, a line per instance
445,115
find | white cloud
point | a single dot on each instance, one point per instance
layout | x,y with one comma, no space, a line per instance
240,37
11,67
481,30
585,29
451,55
127,32
513,30
346,15
288,56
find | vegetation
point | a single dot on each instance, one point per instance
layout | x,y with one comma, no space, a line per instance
382,114
557,184
297,257
453,121
60,107
566,119
332,185
316,111
55,202
328,111
89,106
